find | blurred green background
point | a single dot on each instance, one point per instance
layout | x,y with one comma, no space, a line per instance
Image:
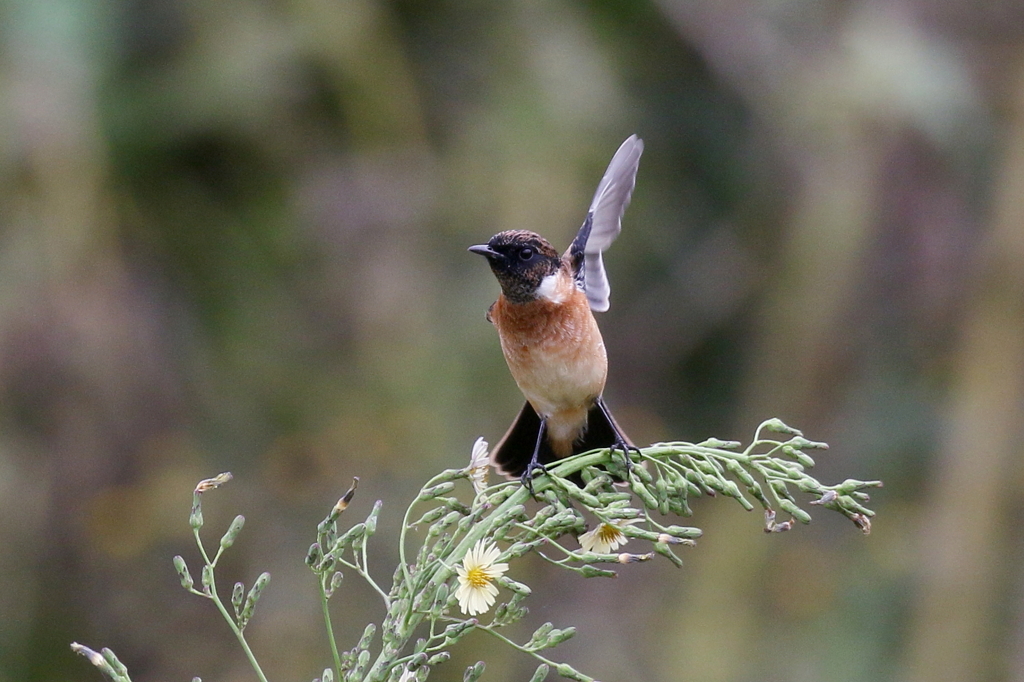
232,237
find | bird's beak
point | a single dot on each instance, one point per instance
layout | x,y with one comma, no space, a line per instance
484,250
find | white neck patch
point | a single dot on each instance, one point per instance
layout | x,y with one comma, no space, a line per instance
552,288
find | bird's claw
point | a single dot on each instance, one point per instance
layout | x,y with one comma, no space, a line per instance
530,474
625,448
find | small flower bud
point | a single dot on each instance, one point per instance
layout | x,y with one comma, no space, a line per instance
314,555
570,673
207,578
371,520
473,672
439,657
250,599
435,491
195,519
237,596
540,635
455,631
541,673
515,586
560,635
232,532
626,558
589,571
335,582
182,569
827,497
368,633
112,660
778,426
416,661
667,539
96,659
429,517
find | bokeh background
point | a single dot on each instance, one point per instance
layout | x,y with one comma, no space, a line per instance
232,237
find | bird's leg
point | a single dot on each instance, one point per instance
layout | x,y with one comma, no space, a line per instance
621,442
528,474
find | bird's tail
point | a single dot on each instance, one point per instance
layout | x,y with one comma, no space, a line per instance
513,453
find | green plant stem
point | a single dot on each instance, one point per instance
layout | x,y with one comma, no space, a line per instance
366,576
405,527
515,645
330,630
223,610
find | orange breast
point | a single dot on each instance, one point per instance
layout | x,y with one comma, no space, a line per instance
557,357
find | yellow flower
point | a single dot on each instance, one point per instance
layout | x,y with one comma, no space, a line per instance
476,591
607,537
478,463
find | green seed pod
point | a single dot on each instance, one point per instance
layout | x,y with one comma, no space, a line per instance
252,598
438,658
678,505
314,555
97,659
183,574
335,583
435,491
114,663
541,673
570,673
582,496
556,637
641,491
515,586
232,532
351,535
195,519
367,638
540,635
237,596
429,517
473,672
663,494
361,660
780,488
371,520
796,512
454,632
664,550
207,578
685,532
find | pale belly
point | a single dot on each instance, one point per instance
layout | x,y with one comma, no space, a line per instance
559,379
556,355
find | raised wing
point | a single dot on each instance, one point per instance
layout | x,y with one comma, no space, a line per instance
604,222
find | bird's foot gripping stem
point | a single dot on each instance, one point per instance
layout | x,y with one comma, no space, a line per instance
625,448
534,469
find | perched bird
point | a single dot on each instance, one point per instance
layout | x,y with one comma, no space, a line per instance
548,333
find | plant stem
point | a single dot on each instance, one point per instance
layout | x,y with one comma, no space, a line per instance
223,610
330,629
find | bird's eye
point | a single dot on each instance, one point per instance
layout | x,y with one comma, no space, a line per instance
526,254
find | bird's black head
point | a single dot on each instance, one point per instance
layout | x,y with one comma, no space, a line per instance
520,260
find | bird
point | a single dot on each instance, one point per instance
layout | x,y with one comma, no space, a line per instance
548,333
